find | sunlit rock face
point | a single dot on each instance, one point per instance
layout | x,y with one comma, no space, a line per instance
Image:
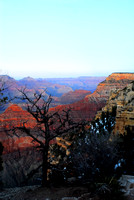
20,157
114,81
125,109
15,116
73,96
18,152
87,108
123,99
84,109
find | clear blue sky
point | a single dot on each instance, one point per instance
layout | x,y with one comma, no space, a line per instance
66,38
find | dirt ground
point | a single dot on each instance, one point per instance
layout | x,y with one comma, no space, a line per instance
38,193
53,193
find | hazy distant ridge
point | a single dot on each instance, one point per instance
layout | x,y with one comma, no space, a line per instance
82,83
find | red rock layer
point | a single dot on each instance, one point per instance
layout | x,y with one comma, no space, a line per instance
87,108
15,116
84,109
72,96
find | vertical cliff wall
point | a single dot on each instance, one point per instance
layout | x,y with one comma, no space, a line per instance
123,99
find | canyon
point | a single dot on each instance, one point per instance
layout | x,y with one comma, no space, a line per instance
81,83
63,91
84,109
55,87
87,108
116,89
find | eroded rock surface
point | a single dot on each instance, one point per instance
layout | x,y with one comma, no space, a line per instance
87,108
123,99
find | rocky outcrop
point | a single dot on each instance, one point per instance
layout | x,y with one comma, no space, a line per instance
15,116
99,98
127,182
19,156
124,101
113,81
87,108
72,96
84,109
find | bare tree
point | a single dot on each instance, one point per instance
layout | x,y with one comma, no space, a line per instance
3,101
3,97
49,125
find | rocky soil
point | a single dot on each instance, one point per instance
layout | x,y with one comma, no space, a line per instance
53,193
38,193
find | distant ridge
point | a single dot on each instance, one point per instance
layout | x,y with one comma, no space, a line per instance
122,72
87,108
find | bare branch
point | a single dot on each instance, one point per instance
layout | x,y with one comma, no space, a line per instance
28,132
49,124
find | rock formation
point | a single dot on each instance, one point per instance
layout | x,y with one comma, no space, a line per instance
51,88
72,96
84,109
87,108
58,88
123,99
15,116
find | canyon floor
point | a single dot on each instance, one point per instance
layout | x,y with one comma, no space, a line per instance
53,193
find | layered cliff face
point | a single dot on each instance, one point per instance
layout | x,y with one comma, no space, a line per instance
84,109
113,81
124,101
72,96
15,116
87,108
19,156
99,98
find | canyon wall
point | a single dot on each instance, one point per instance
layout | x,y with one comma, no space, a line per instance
84,109
123,99
87,108
19,155
15,116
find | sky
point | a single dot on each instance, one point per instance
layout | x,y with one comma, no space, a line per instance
66,38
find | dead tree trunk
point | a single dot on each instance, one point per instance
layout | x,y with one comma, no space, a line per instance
49,125
45,165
